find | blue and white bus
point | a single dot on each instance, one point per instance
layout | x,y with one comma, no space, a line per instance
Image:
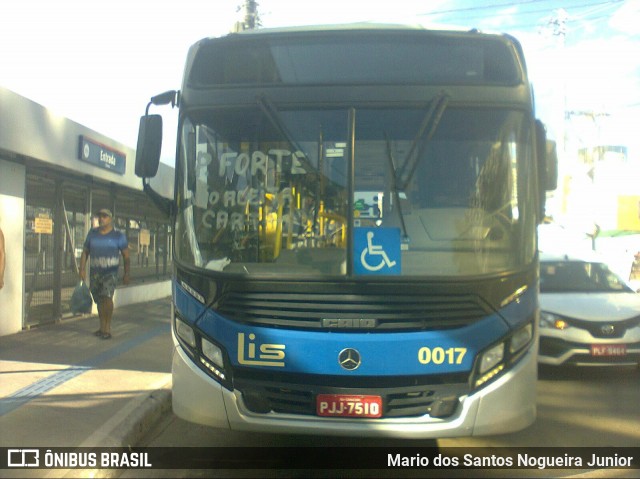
355,222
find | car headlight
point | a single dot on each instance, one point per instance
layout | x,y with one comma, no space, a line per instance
552,321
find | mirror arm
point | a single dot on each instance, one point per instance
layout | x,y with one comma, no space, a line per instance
165,98
165,205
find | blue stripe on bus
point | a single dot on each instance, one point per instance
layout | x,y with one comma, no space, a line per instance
391,354
316,352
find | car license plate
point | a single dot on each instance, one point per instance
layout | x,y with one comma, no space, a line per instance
345,405
608,350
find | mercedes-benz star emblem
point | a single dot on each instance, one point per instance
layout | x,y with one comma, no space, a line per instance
349,359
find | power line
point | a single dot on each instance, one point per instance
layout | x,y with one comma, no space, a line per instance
570,23
484,7
520,13
595,15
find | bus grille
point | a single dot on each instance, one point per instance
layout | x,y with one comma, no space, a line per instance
380,311
300,400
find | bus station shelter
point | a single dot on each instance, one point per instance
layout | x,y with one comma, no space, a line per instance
54,174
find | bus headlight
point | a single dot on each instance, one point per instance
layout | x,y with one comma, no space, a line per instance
520,338
209,356
490,358
497,358
212,359
185,333
212,352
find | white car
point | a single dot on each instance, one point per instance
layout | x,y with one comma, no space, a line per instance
589,315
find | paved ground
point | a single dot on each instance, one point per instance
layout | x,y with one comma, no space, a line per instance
61,386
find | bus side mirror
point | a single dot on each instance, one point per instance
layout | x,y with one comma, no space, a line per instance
551,180
547,165
149,146
547,160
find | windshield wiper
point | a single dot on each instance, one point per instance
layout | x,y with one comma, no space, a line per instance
273,116
394,187
425,133
271,113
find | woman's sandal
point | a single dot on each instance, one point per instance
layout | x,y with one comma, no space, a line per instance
98,333
106,336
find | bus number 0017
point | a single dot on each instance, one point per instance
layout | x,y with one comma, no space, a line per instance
440,355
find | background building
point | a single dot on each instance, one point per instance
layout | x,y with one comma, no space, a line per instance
54,173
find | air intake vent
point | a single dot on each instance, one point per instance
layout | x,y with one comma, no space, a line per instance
378,311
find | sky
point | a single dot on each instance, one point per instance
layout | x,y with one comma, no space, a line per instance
98,62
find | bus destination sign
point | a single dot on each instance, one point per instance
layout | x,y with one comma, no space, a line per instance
102,156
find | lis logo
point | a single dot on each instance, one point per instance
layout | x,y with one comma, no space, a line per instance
253,353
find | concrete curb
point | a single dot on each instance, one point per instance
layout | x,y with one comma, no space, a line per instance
132,422
153,406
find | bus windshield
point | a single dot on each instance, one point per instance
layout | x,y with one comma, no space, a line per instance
266,191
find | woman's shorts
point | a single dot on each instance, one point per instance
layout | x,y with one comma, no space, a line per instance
103,285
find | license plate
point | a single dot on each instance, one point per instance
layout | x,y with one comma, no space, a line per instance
344,405
608,350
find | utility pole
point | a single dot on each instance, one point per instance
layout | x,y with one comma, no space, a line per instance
554,29
251,18
557,26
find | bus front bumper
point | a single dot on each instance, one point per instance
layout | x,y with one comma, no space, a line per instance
505,405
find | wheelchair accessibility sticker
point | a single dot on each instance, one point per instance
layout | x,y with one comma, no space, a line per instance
376,251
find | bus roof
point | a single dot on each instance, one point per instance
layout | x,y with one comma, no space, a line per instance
361,53
350,26
370,26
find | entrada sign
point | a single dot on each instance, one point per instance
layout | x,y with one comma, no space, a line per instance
102,156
